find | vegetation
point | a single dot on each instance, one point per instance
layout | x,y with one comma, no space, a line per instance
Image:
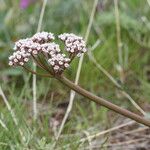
132,73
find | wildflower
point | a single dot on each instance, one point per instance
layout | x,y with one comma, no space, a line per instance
27,45
25,3
41,42
50,48
74,44
19,58
43,37
59,62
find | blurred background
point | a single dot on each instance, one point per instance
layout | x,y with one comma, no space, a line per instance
119,46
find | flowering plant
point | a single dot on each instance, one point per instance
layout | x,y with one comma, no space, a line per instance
25,3
49,57
42,44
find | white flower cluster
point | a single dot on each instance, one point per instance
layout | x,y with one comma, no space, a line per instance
42,43
26,47
19,58
59,62
50,48
74,44
43,37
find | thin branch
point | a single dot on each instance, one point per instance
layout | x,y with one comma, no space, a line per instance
118,32
148,1
133,102
107,131
41,16
34,65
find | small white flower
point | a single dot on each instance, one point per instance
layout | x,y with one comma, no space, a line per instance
52,63
66,65
35,52
72,50
18,56
38,48
15,60
29,50
26,59
10,63
60,63
50,48
21,63
68,49
56,67
51,53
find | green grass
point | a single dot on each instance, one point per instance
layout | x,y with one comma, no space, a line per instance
72,16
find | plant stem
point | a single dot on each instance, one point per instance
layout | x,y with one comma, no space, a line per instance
103,102
34,84
118,32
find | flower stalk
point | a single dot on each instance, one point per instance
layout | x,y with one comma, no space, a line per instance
57,62
103,102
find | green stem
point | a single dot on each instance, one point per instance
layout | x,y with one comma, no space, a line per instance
103,102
